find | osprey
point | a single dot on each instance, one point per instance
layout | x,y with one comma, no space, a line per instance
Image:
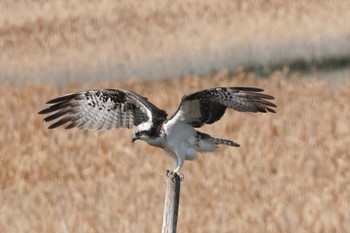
114,108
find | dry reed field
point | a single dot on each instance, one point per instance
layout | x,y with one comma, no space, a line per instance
77,40
291,173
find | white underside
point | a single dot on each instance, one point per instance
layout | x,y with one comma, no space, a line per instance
182,144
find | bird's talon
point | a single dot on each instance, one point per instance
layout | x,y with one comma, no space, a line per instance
182,177
169,173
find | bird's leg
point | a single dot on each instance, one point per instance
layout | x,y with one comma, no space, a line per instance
178,164
177,171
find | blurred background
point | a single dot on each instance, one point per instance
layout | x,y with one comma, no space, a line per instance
292,171
104,40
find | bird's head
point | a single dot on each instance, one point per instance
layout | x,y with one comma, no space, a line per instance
143,131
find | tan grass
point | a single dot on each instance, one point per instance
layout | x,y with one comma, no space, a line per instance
43,39
291,173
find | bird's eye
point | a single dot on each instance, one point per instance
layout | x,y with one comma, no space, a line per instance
140,133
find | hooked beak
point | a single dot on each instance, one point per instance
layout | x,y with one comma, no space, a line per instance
134,138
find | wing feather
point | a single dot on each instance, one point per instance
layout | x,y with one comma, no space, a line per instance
101,110
209,105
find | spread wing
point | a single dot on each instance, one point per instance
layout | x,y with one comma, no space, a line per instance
208,106
101,110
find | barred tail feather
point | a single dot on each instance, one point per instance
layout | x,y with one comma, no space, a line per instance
219,141
216,141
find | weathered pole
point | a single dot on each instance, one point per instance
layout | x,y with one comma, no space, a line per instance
171,205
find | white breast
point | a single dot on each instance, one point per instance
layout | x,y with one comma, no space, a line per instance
178,132
181,138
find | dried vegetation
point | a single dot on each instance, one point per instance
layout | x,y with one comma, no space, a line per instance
291,173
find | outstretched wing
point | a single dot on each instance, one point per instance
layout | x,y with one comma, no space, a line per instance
101,110
208,106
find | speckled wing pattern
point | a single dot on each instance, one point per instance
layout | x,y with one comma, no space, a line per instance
209,105
101,110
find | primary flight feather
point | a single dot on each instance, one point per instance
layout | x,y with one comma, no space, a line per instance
115,108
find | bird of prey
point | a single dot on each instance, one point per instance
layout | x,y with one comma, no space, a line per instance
114,108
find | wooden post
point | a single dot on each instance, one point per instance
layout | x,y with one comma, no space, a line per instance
171,205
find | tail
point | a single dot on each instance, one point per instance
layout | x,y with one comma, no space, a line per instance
216,141
220,141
